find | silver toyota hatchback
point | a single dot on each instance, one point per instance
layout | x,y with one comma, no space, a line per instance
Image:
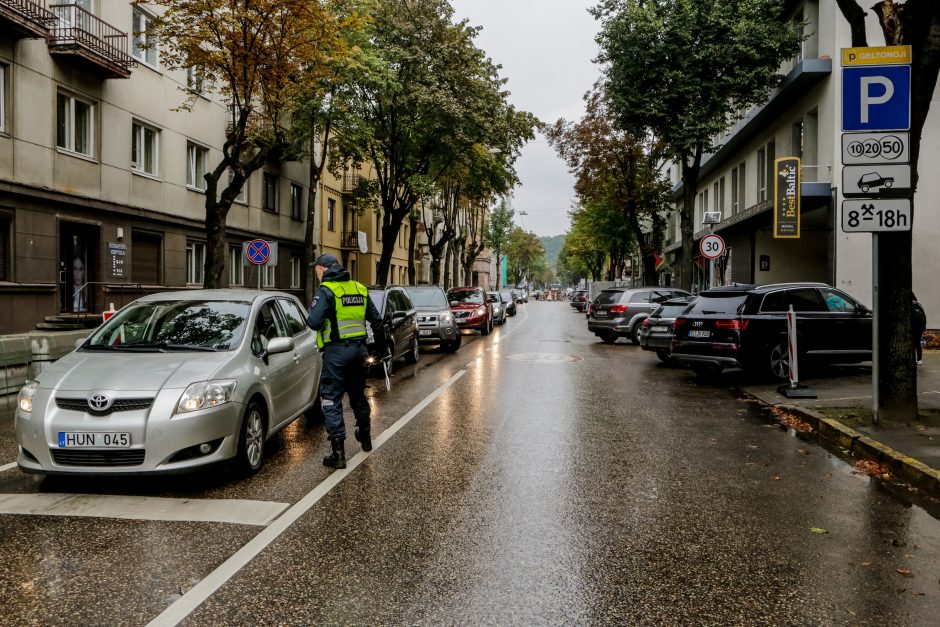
172,382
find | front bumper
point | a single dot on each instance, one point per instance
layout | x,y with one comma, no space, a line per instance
472,322
435,334
157,435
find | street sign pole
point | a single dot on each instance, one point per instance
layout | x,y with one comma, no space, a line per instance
875,336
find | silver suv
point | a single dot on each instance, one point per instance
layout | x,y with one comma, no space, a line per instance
619,311
436,323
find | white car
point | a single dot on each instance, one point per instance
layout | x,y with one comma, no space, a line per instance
172,382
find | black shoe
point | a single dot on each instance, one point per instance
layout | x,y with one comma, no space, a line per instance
336,459
364,437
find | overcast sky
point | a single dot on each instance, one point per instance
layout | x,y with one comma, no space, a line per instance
545,48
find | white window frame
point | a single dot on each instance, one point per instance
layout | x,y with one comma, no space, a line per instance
195,80
143,36
268,276
761,174
3,97
294,272
236,272
275,183
297,194
242,197
70,135
196,180
195,269
138,134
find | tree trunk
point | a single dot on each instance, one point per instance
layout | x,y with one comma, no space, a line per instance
447,265
214,267
412,240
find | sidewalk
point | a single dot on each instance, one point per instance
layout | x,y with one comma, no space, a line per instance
842,412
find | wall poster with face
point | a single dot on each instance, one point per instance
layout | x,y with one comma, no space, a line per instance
76,265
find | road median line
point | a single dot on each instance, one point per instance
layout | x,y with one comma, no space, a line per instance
195,596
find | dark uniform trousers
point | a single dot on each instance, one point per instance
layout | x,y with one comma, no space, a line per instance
344,372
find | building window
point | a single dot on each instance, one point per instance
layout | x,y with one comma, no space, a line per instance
296,200
146,257
796,139
242,196
734,191
270,192
144,148
236,267
267,276
196,166
195,262
194,79
294,271
5,224
378,226
742,186
761,175
143,38
721,196
3,98
74,124
769,177
330,214
715,197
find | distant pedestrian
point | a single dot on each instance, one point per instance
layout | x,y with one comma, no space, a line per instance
340,313
918,327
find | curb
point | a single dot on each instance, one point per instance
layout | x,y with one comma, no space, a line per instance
914,472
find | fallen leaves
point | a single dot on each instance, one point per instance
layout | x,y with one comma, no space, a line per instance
906,572
871,468
817,530
791,420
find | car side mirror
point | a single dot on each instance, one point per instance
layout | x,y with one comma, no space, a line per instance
862,310
398,315
280,345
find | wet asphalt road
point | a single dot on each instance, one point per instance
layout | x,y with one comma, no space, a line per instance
555,480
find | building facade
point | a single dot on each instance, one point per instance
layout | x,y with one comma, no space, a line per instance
802,119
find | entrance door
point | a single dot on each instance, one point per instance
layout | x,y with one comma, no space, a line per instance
78,247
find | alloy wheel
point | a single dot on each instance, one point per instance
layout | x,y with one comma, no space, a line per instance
254,438
780,361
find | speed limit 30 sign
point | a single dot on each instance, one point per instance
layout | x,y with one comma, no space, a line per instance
712,246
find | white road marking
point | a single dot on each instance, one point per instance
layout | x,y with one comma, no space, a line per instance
9,466
195,596
236,511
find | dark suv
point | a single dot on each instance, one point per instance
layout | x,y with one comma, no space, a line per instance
399,330
619,311
746,327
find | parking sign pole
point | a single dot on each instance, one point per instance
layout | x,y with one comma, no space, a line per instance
875,298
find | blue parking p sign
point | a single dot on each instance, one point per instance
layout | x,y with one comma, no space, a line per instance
876,98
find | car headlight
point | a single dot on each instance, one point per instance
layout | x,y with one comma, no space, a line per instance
479,311
446,317
206,394
370,359
25,398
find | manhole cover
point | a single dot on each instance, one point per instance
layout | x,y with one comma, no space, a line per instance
544,358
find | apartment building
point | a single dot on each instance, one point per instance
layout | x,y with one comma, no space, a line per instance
101,188
802,118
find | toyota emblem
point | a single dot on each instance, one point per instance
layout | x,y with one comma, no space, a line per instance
99,402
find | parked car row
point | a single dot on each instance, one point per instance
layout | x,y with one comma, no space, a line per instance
180,380
745,326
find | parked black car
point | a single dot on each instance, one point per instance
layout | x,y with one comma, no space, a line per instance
510,302
746,327
579,300
656,332
619,311
398,337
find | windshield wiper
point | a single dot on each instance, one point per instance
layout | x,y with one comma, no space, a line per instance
98,347
184,347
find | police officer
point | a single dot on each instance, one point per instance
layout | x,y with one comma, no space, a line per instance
339,313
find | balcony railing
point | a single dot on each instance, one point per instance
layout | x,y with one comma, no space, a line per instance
30,17
78,32
350,240
350,182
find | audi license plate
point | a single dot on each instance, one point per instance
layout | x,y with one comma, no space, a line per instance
72,439
697,333
659,329
425,332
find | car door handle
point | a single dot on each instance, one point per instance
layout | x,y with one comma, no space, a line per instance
296,358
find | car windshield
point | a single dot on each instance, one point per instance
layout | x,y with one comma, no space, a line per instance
427,297
473,297
506,296
670,311
710,304
173,325
493,297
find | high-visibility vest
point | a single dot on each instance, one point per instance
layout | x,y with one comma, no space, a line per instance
349,315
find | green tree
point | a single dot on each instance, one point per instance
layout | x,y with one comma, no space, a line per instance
496,236
617,173
915,23
438,102
584,250
685,71
525,255
257,54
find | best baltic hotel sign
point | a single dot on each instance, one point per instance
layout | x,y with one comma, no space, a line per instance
787,197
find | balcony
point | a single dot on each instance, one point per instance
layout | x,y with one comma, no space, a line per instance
351,182
28,18
78,33
350,240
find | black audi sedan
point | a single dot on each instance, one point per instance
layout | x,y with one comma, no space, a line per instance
745,327
398,337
